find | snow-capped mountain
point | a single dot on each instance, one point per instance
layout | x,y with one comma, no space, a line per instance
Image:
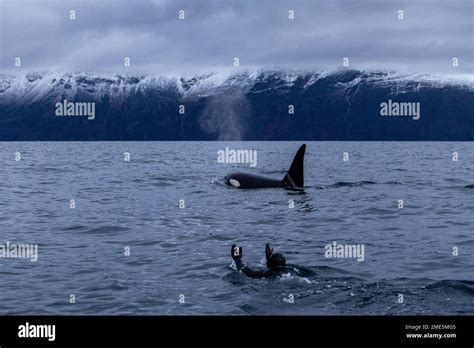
260,104
35,87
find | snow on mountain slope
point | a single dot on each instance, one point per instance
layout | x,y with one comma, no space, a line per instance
34,87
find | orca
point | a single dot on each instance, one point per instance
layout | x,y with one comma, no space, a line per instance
293,180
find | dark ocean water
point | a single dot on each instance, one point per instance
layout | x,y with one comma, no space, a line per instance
186,251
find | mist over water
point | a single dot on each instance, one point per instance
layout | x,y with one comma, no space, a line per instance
186,251
226,115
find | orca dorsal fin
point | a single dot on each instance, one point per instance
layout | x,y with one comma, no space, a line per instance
295,175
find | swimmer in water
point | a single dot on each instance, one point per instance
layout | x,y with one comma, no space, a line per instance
276,263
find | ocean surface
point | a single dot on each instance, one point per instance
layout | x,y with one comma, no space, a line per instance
184,253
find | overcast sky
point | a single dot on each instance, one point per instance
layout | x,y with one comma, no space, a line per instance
259,32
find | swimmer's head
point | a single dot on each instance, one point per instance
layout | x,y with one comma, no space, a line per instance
276,261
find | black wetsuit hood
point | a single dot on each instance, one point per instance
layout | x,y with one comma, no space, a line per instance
276,261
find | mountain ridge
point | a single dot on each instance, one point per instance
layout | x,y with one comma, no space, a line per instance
237,105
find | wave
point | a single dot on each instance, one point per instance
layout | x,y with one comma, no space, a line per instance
352,184
357,184
463,286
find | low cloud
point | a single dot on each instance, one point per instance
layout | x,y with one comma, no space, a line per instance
215,31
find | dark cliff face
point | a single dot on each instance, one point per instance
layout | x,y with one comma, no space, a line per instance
342,105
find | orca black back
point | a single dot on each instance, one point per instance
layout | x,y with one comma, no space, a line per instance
293,179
